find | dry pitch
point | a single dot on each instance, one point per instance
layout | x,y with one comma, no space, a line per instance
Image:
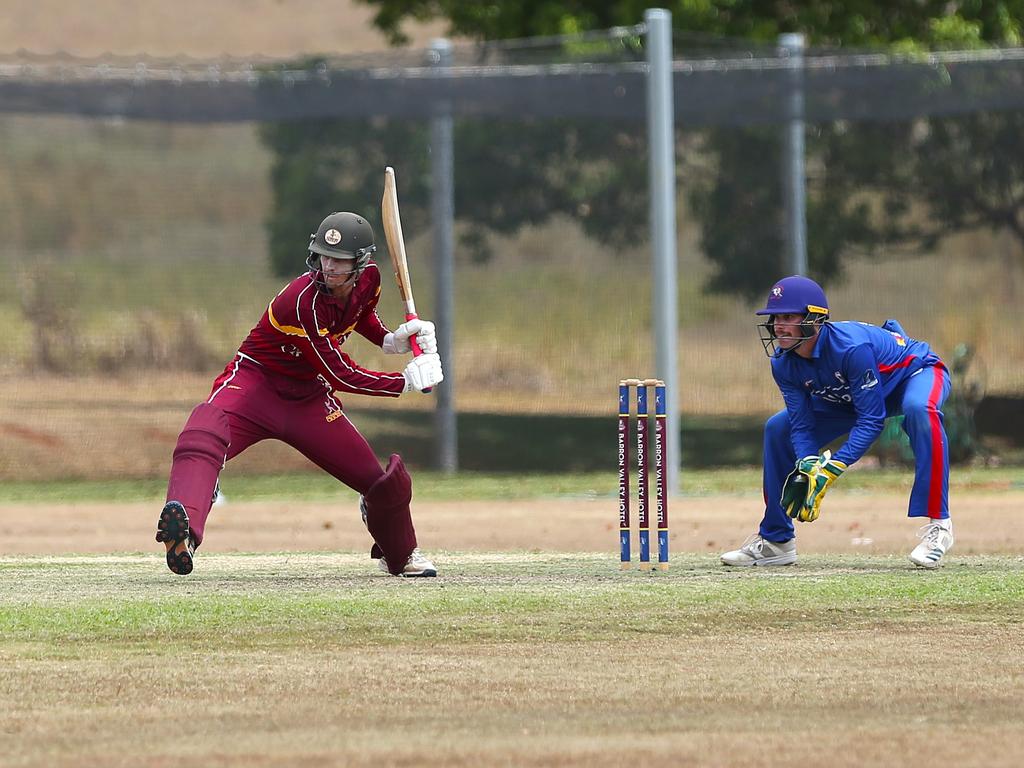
531,648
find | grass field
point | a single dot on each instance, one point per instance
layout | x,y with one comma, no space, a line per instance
287,647
509,659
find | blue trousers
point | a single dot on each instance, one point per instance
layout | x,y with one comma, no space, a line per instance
919,399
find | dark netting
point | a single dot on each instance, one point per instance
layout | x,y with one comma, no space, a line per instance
708,91
144,203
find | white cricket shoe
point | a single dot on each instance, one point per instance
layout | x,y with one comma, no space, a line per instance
759,551
936,540
416,565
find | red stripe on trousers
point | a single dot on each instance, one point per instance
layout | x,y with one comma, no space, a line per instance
935,480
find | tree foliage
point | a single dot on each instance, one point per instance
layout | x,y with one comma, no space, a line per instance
849,23
906,184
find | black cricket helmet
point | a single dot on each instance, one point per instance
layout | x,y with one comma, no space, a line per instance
342,235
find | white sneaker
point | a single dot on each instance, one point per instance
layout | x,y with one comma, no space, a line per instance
416,565
936,540
759,551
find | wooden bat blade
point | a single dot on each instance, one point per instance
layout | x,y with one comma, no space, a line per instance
393,234
396,247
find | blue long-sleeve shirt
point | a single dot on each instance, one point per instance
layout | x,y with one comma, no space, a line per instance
855,367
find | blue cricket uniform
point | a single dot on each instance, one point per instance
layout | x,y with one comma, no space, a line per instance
857,376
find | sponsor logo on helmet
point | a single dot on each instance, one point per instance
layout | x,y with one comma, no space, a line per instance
777,292
332,237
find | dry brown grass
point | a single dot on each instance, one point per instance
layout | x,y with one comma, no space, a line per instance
850,698
195,28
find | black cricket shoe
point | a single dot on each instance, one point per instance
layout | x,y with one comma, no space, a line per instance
173,527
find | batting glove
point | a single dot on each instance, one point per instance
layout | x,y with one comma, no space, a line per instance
397,343
820,476
423,372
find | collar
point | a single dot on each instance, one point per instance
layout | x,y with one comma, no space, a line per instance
816,352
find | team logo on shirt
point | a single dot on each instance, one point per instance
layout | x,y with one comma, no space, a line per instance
332,406
869,380
332,236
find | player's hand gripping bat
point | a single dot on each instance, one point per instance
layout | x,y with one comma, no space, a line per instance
396,247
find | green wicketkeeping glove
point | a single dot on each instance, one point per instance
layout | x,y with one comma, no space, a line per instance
820,476
794,490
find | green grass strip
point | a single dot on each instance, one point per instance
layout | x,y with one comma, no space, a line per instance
483,486
543,598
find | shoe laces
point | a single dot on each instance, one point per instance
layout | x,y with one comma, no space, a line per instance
931,533
754,544
417,557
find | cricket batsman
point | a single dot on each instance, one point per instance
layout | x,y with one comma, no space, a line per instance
838,378
286,382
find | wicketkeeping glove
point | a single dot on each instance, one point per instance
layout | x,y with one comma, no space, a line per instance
794,491
820,473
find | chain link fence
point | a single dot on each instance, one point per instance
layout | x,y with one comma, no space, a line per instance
151,209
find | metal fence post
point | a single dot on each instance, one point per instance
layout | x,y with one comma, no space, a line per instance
792,45
662,173
442,208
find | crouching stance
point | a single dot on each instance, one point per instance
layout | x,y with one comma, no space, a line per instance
838,378
285,383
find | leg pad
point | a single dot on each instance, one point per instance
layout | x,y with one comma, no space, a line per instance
388,518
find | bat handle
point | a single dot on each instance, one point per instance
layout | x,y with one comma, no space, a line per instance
416,351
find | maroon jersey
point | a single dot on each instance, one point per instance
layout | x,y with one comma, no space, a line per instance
301,333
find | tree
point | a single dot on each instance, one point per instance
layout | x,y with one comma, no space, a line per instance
855,23
962,172
544,170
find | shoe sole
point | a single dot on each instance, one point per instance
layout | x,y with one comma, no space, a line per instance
932,560
173,527
777,560
428,573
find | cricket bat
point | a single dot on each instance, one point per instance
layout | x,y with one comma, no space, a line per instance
396,247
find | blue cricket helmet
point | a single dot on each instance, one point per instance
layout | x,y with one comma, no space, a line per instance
796,295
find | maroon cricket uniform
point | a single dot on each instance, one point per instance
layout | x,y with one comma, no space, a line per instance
284,383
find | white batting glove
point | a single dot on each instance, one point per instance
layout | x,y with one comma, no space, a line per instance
423,372
397,343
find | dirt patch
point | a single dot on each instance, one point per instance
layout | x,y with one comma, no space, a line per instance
851,523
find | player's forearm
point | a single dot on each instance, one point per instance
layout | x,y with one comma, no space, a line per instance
862,436
801,421
343,375
371,328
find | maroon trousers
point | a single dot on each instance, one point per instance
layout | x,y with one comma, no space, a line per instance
248,404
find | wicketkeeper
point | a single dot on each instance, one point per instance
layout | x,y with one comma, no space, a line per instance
285,382
838,378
